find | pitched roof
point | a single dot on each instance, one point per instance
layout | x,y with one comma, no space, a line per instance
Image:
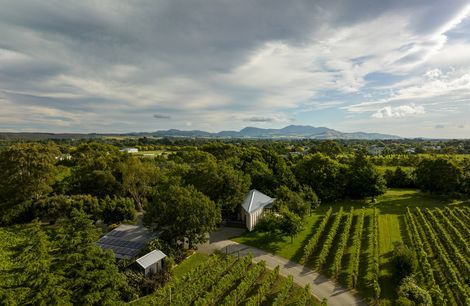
255,200
150,258
126,240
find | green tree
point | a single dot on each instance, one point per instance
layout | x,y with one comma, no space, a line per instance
220,182
183,212
291,224
398,178
91,272
292,201
438,175
27,171
96,170
403,261
137,179
323,174
363,179
36,262
117,209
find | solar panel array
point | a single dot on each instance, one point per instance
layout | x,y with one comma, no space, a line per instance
121,247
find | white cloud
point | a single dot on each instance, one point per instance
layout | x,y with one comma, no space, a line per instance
399,111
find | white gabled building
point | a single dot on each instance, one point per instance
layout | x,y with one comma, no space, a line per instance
152,262
253,207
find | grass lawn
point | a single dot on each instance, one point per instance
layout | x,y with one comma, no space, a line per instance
190,263
392,206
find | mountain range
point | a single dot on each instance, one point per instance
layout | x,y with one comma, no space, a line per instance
288,132
291,131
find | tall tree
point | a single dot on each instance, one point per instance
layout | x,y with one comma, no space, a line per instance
323,174
27,171
45,286
220,182
362,178
91,273
183,212
137,178
438,176
96,170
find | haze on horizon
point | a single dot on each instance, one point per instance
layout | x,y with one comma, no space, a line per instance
394,67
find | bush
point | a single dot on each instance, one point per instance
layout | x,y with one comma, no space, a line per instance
409,293
404,262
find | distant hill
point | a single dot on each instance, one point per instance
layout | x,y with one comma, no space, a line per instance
291,131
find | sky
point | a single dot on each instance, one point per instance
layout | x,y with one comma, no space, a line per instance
399,67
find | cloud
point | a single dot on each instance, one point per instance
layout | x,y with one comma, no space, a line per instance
259,119
439,126
399,111
107,66
161,116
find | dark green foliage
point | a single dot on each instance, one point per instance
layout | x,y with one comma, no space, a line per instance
117,209
27,171
398,178
96,170
404,262
220,182
51,208
363,179
438,175
323,174
183,212
91,273
293,201
46,286
291,224
269,223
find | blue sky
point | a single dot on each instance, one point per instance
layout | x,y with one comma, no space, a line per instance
397,67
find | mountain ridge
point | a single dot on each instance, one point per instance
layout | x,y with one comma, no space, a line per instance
290,131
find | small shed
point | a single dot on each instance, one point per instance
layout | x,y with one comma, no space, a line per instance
152,262
253,207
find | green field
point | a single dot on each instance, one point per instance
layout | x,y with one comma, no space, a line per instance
391,229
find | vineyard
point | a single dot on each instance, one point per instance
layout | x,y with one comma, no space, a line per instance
346,247
227,280
440,238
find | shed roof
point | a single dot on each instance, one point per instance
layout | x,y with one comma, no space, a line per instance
126,241
255,200
150,258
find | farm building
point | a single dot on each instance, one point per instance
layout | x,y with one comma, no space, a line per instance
253,206
152,262
129,150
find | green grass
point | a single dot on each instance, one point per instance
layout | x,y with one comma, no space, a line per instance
392,207
188,264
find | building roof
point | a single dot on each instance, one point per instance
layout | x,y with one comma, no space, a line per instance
150,258
255,200
126,241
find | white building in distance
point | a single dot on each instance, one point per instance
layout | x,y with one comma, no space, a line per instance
129,150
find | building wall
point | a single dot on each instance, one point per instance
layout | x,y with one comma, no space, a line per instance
253,218
153,269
